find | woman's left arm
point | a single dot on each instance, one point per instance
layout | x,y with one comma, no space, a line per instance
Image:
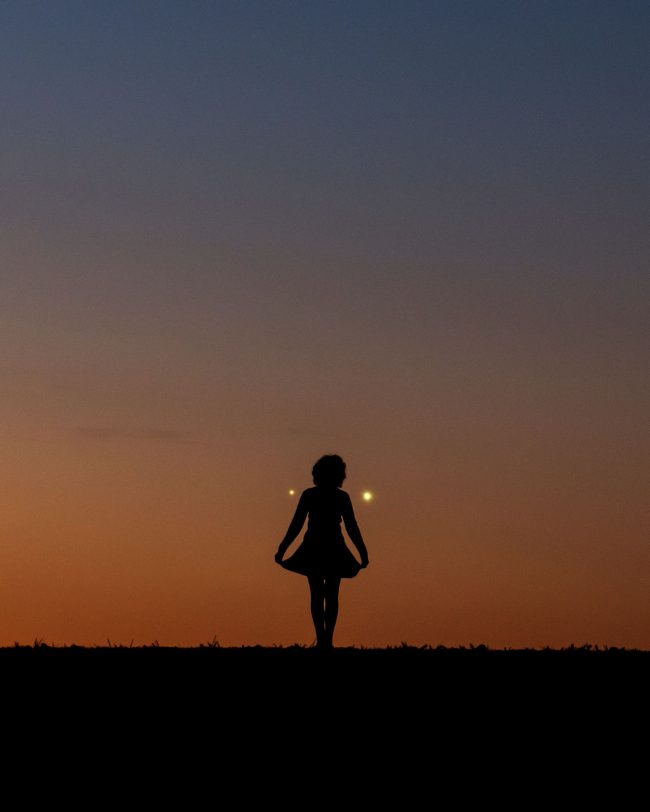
352,527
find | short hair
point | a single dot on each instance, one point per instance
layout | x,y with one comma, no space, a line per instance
329,470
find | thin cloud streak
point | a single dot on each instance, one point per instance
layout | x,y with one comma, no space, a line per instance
117,433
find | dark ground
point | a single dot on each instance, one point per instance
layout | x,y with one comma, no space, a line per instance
362,726
433,679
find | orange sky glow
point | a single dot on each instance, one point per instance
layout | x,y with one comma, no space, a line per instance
239,236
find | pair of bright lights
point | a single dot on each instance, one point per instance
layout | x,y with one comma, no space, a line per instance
367,496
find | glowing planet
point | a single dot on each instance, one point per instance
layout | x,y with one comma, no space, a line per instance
367,496
292,492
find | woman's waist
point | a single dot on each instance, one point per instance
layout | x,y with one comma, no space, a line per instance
324,533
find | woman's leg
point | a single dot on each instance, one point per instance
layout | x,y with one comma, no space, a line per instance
317,591
331,608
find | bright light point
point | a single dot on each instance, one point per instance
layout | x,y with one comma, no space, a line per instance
367,496
292,492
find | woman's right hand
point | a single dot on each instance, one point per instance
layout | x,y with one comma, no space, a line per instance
278,557
364,563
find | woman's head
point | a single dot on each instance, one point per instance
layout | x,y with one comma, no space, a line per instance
329,471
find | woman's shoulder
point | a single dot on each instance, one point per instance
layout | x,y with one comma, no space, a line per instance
319,492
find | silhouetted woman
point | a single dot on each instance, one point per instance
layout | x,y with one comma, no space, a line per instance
323,555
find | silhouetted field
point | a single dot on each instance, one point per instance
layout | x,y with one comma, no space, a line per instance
403,655
398,718
420,674
396,658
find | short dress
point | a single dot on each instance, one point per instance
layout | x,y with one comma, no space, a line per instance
323,551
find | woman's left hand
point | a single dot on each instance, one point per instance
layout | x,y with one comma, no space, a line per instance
278,557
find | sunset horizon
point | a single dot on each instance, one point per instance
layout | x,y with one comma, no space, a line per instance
240,236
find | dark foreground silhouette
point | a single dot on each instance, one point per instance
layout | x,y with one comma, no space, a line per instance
350,723
424,672
386,686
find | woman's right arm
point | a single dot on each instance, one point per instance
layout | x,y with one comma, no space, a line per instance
294,528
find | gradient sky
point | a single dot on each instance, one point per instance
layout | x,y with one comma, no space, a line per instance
239,235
